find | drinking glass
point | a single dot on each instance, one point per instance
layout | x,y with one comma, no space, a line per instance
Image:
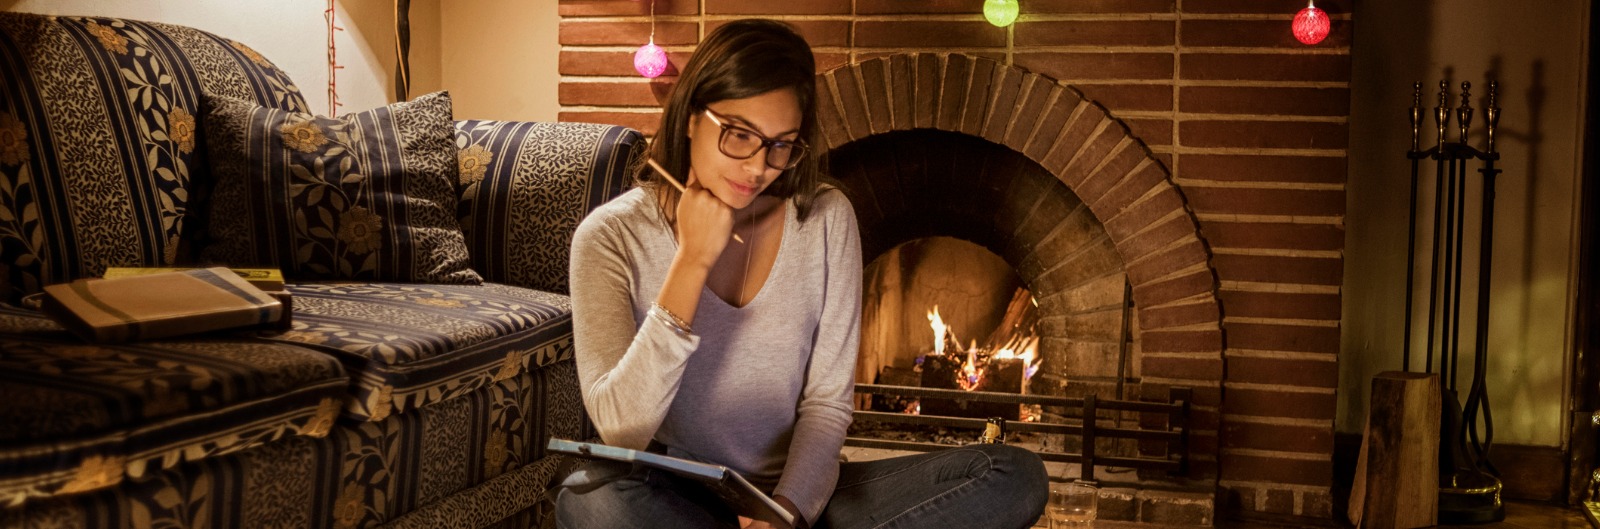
1072,505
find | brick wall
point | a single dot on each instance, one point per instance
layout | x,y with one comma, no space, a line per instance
1247,127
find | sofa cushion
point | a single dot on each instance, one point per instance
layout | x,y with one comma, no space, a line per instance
526,186
80,417
99,152
482,452
369,195
410,345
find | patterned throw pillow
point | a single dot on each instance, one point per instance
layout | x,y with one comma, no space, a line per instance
369,195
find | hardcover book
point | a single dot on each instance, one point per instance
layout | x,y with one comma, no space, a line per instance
269,280
266,279
160,304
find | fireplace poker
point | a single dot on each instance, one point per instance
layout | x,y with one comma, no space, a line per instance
1441,116
1411,234
674,181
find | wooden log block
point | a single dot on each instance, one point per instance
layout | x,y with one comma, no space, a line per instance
1397,473
945,372
1001,375
940,371
1020,318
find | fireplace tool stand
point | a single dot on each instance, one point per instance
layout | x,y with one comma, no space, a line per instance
1469,485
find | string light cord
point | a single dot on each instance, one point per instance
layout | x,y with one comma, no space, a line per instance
650,60
333,62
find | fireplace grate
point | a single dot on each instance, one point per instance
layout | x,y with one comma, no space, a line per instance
1162,431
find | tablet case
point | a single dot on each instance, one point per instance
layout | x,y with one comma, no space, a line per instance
741,496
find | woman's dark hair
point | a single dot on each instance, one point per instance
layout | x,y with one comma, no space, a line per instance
740,59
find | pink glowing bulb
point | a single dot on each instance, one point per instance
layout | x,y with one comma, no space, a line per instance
650,60
1311,25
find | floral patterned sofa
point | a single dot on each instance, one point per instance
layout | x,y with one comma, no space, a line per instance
389,403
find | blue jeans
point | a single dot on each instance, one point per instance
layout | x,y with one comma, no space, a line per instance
996,486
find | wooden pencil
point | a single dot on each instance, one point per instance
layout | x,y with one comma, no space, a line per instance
674,181
664,174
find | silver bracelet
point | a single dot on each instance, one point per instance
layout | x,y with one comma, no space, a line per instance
672,320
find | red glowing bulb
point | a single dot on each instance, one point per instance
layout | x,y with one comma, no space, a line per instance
1311,25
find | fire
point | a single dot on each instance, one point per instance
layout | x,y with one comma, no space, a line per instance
970,371
1029,347
1021,347
1002,360
939,330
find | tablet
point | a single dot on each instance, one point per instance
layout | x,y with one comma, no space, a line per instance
743,497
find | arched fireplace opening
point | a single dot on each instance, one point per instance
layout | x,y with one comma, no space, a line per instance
989,238
1062,192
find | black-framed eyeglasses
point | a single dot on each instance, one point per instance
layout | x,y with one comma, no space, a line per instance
741,143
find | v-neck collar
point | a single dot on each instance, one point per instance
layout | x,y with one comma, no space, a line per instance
777,260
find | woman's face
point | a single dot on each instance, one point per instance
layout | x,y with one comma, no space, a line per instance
772,115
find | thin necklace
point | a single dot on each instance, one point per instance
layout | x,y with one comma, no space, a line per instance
750,248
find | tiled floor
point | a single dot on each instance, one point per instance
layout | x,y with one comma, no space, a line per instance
1519,515
1538,516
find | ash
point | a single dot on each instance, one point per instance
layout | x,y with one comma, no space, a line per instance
918,433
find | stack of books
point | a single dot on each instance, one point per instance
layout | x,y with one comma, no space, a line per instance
144,303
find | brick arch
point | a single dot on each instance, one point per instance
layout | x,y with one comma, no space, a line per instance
1129,192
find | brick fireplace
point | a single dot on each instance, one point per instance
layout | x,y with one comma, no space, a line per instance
1199,148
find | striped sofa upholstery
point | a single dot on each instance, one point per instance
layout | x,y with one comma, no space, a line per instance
99,149
518,181
386,404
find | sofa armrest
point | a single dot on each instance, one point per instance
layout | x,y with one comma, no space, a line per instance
526,186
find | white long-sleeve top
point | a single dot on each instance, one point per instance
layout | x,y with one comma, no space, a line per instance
764,389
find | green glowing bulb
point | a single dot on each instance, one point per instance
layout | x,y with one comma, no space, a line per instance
1000,12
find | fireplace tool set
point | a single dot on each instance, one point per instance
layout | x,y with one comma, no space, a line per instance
1469,486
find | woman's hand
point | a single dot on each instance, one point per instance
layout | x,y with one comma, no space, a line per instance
705,223
800,523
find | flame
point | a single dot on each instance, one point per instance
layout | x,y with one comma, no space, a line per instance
1024,348
1030,358
971,372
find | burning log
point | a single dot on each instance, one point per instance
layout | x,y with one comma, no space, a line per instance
943,371
1002,365
1002,375
1022,314
940,371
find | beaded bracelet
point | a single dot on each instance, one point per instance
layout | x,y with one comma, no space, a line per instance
672,320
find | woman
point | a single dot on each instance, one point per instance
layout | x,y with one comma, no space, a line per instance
721,323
